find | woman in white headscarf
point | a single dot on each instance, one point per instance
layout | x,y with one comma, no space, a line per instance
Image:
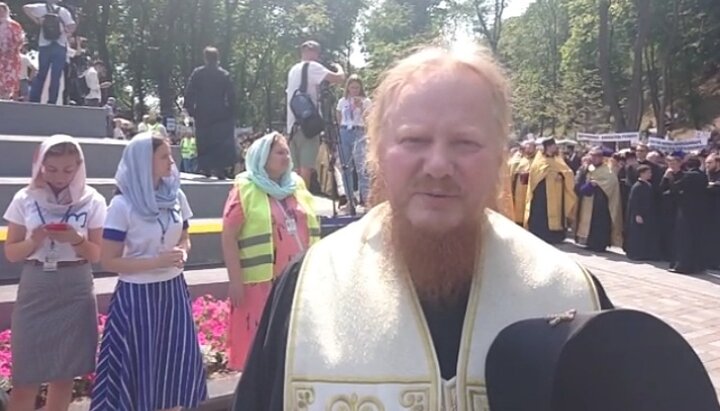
55,227
150,357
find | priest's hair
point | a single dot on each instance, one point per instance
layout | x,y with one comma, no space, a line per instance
478,60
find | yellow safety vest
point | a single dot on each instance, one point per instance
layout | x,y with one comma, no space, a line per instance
188,147
154,127
255,239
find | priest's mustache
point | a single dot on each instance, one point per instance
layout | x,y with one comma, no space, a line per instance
442,187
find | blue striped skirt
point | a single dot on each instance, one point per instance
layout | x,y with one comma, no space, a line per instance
150,358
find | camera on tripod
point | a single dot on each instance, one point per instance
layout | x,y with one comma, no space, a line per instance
331,138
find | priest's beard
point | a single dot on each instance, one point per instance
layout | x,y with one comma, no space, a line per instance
441,265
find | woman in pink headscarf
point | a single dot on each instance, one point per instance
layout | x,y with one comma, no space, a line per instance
54,230
12,37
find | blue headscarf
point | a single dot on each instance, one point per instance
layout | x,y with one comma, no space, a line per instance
255,160
134,178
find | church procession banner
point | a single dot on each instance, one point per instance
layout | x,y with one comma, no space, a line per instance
677,145
609,138
696,143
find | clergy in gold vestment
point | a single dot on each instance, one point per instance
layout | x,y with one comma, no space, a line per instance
397,311
599,218
551,198
505,204
519,177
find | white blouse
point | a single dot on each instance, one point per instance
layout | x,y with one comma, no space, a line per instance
25,211
146,239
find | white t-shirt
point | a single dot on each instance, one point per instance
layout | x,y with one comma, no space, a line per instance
351,114
25,65
316,74
39,10
143,238
24,211
93,82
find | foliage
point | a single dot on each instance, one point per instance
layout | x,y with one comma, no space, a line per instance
662,59
552,52
394,28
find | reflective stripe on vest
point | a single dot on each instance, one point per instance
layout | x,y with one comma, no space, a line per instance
188,147
255,240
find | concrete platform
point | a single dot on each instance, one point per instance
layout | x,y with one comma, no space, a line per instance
102,155
206,196
201,282
204,234
31,119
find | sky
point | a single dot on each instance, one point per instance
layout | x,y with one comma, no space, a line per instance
513,9
516,7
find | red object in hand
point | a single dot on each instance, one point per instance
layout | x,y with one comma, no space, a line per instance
56,227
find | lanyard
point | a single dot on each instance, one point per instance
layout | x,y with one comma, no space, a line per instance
42,219
164,227
289,218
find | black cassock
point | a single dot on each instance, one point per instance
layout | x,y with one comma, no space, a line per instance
691,221
642,241
262,387
712,244
600,235
667,210
210,100
538,221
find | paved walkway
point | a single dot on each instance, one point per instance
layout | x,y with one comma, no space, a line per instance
691,304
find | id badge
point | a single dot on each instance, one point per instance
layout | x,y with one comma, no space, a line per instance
291,225
51,262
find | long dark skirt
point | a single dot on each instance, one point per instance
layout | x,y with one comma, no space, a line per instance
150,358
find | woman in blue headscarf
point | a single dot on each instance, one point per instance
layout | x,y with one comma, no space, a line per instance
268,220
150,358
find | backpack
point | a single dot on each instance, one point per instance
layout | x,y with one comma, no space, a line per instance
304,109
51,25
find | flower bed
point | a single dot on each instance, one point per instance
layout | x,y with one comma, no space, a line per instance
211,319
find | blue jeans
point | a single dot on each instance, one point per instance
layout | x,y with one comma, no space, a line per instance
188,165
353,144
52,58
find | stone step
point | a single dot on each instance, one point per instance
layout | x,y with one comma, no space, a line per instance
206,196
206,249
102,155
201,282
221,390
30,119
205,237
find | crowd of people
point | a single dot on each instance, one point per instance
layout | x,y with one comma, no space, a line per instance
656,206
62,72
395,294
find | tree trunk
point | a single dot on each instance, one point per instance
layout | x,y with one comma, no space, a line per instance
101,37
654,86
635,94
609,90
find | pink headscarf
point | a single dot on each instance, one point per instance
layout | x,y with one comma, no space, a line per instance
76,193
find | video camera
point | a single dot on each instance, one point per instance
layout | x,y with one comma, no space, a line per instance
327,100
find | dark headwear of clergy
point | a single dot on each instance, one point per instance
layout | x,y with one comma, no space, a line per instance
679,154
615,360
548,141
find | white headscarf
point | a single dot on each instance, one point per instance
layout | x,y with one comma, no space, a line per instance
75,194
